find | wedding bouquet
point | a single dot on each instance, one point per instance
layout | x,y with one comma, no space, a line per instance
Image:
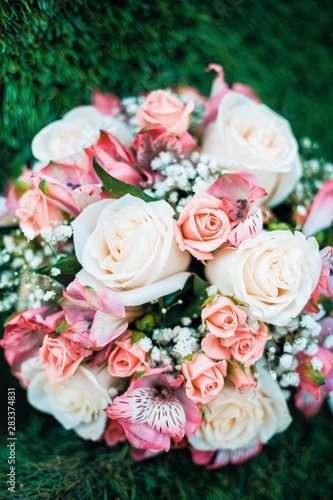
170,269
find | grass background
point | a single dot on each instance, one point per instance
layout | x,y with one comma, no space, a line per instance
53,53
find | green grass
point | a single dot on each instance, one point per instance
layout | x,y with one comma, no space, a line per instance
53,463
52,54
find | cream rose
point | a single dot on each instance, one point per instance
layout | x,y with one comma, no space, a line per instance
77,403
128,245
239,419
64,140
274,274
250,136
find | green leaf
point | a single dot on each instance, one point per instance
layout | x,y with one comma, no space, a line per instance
189,358
119,188
240,366
137,336
313,376
238,302
62,326
69,267
231,371
20,187
146,323
210,300
192,296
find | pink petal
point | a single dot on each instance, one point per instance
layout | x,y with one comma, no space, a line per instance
139,455
105,328
132,406
215,347
238,186
60,196
107,104
307,403
202,457
144,437
247,228
221,459
243,454
192,413
321,211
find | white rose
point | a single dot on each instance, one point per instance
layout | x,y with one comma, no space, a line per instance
274,274
64,140
240,419
77,403
128,245
250,136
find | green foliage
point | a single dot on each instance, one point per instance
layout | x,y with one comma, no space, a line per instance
54,463
119,188
68,266
54,52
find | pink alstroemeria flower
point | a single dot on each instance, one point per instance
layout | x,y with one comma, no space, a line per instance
220,458
115,158
325,282
154,410
150,143
310,380
95,318
219,89
68,186
15,189
240,193
107,104
321,211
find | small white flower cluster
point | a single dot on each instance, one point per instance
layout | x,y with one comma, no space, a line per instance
191,176
131,105
146,344
316,171
290,379
60,232
18,258
317,364
328,342
176,343
302,334
311,328
186,343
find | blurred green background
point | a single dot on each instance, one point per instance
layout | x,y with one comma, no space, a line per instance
53,53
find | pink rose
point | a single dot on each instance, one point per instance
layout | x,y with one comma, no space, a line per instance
36,211
223,317
61,357
203,226
127,359
215,347
241,380
24,335
204,378
247,346
163,109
